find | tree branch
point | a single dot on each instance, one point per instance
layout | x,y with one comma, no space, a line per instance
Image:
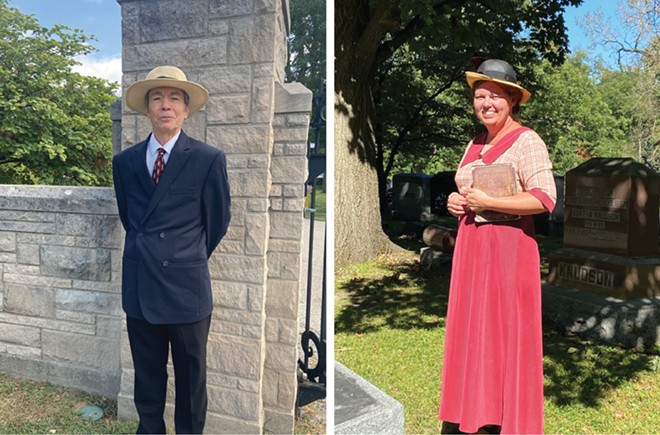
7,161
410,30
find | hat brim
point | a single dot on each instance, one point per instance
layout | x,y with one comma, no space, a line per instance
198,95
473,77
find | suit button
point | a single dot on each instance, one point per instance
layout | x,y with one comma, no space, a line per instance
165,263
162,235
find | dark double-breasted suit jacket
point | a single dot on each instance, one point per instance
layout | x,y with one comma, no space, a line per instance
171,230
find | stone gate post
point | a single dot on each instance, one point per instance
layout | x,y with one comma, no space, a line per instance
237,50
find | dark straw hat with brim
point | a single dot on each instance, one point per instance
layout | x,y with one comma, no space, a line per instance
498,71
165,77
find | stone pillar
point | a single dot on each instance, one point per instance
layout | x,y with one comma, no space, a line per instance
115,117
288,163
237,50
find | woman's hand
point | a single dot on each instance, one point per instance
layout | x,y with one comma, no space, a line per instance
456,204
477,199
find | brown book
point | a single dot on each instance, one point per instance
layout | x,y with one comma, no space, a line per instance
496,180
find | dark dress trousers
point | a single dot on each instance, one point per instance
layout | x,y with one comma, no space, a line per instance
172,229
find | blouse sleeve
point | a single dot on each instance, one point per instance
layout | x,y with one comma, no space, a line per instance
535,170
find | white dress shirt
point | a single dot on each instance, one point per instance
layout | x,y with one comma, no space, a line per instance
152,150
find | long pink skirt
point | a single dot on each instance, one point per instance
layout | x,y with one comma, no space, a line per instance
493,363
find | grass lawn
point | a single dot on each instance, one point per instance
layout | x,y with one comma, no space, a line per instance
29,407
389,328
33,407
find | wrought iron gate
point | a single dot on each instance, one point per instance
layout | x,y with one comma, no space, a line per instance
313,344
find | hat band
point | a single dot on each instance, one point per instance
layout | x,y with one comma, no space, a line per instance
499,75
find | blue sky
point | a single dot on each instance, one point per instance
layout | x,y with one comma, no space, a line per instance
102,18
578,38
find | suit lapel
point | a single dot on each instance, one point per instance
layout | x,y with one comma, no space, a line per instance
140,167
175,163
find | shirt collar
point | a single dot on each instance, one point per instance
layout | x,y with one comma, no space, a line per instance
154,145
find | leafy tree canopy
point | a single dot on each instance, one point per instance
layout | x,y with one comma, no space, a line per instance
575,112
55,125
582,107
307,40
307,60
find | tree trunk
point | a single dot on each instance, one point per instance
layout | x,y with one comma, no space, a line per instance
359,234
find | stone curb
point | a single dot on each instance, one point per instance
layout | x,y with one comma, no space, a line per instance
361,408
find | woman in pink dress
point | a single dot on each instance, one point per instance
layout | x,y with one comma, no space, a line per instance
492,378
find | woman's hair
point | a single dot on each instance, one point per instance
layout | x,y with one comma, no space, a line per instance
515,94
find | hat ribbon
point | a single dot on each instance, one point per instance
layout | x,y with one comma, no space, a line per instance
499,75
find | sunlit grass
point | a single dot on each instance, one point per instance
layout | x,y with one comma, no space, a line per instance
36,407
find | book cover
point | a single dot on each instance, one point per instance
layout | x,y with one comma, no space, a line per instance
496,180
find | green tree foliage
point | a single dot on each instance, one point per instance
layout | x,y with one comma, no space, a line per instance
421,125
582,108
307,60
644,132
55,124
307,54
575,112
634,40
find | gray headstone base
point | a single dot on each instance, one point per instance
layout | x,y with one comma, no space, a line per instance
361,408
630,323
431,258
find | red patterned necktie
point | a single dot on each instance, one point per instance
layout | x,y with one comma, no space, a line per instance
159,165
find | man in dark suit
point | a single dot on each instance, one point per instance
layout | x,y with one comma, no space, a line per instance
173,200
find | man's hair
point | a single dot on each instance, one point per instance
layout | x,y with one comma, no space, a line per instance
186,98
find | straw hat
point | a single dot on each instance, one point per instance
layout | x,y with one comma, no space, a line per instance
170,77
499,71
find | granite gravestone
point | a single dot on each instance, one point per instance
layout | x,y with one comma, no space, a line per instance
442,185
411,199
604,283
610,230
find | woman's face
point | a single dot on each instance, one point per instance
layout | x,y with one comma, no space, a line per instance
492,104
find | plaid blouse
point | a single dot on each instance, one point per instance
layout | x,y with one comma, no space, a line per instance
525,150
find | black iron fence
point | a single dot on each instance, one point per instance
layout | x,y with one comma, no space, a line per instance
313,360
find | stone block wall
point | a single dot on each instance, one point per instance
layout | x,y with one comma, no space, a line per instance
60,295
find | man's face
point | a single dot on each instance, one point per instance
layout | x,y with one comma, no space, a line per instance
167,109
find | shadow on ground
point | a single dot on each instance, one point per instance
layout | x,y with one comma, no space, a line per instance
311,408
405,296
579,371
